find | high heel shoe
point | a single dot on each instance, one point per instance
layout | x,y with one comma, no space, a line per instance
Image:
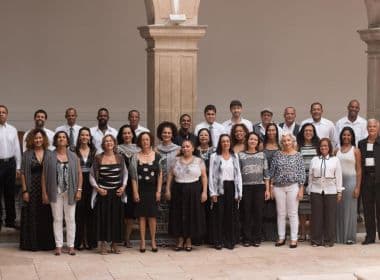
142,250
154,249
280,243
293,245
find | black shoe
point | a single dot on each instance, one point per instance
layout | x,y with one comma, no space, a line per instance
154,250
178,248
278,243
256,244
188,249
230,246
142,250
293,246
368,241
218,247
246,243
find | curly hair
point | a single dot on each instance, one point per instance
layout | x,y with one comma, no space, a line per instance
166,124
30,139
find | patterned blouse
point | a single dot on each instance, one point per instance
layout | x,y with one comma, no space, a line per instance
254,168
287,169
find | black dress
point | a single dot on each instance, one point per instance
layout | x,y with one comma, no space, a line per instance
84,214
109,209
36,231
147,174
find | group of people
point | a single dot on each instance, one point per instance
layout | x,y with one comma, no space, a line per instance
224,184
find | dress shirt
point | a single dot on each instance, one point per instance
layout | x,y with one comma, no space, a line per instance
359,127
325,129
217,130
325,175
229,124
9,144
66,128
140,129
97,136
49,134
293,129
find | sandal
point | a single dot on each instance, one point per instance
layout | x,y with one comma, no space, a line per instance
115,249
57,251
103,249
71,251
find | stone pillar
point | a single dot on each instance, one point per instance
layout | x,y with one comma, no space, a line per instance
371,37
172,54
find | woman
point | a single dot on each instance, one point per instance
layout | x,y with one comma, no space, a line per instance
146,174
350,160
109,178
85,234
187,193
255,176
308,142
62,187
36,230
225,186
166,133
271,145
126,139
287,185
239,134
325,186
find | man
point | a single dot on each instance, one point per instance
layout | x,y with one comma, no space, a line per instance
370,187
325,128
289,125
40,117
215,128
236,109
353,120
10,163
71,128
266,116
134,119
184,132
98,132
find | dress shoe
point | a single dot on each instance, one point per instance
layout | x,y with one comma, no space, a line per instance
218,247
367,241
293,246
280,243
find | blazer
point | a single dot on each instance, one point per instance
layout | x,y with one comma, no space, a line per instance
295,130
376,150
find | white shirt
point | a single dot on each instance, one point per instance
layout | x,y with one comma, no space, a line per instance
229,124
66,128
325,175
216,130
9,144
49,134
325,129
359,127
288,129
140,129
97,136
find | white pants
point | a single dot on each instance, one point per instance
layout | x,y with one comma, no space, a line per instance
287,205
59,209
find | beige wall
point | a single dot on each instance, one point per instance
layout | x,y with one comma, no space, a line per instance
88,53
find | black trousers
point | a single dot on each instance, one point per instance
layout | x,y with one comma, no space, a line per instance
7,191
371,206
323,217
225,217
252,209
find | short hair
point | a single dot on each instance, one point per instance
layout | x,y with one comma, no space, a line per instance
103,109
301,137
233,130
198,143
331,151
120,134
184,115
30,138
139,139
249,135
133,111
288,134
55,139
349,129
315,103
209,107
219,147
70,109
192,144
90,144
235,103
289,107
166,124
5,107
266,134
40,111
113,139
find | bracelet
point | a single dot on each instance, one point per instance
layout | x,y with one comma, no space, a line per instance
79,190
24,191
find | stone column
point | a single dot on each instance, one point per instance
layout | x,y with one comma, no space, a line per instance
172,55
371,37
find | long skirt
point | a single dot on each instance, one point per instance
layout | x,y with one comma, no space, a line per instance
109,212
346,217
186,212
225,217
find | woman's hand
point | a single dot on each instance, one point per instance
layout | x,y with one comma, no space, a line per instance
120,191
338,197
356,192
168,195
203,197
214,199
300,194
78,195
158,196
102,192
25,197
45,198
267,195
136,197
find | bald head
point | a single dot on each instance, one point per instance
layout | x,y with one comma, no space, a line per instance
353,109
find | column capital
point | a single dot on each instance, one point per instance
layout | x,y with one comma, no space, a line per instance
372,38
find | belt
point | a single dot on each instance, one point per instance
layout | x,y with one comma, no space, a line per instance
6,160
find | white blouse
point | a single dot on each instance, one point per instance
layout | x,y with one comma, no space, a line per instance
325,175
